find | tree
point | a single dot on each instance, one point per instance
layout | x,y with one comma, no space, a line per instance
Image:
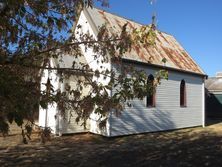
32,33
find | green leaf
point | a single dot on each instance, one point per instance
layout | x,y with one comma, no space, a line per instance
43,104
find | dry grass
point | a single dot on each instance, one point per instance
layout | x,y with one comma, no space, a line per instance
186,147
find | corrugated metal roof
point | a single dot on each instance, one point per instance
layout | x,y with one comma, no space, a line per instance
166,45
214,83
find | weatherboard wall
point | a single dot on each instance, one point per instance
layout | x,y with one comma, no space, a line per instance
167,114
86,26
66,122
60,123
47,115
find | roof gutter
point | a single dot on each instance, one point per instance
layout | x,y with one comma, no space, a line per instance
212,90
163,67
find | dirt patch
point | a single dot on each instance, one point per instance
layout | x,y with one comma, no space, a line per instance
186,147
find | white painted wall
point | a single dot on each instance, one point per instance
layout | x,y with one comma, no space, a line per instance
52,117
167,114
67,123
203,104
47,116
95,64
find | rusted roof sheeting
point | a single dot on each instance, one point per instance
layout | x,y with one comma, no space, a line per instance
166,45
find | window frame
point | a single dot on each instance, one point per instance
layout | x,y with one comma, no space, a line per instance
183,94
151,98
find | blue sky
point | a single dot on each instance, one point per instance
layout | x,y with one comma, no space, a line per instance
196,24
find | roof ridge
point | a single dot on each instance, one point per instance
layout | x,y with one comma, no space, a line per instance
128,19
120,16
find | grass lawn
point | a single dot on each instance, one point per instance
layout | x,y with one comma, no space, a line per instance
187,147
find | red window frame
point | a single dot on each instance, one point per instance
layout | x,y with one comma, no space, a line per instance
183,96
151,97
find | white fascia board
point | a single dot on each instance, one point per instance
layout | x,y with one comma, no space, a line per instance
203,104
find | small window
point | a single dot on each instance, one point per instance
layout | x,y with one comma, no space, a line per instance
183,100
150,99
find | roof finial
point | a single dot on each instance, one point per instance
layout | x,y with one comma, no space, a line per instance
153,25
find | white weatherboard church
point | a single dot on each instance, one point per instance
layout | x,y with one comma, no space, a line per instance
177,103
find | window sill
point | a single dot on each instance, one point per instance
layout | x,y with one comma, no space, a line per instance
150,106
183,106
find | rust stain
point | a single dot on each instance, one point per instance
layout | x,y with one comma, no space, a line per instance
166,46
163,37
119,23
169,54
131,25
195,66
158,40
104,16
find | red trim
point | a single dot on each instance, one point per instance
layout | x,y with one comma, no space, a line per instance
151,99
183,96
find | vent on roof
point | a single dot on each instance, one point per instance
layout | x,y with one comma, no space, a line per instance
219,75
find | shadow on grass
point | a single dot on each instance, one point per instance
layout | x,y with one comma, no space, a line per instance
213,121
187,147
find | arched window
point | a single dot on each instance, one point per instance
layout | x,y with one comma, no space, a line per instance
183,100
150,99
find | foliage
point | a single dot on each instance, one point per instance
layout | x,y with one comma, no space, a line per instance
33,33
18,97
